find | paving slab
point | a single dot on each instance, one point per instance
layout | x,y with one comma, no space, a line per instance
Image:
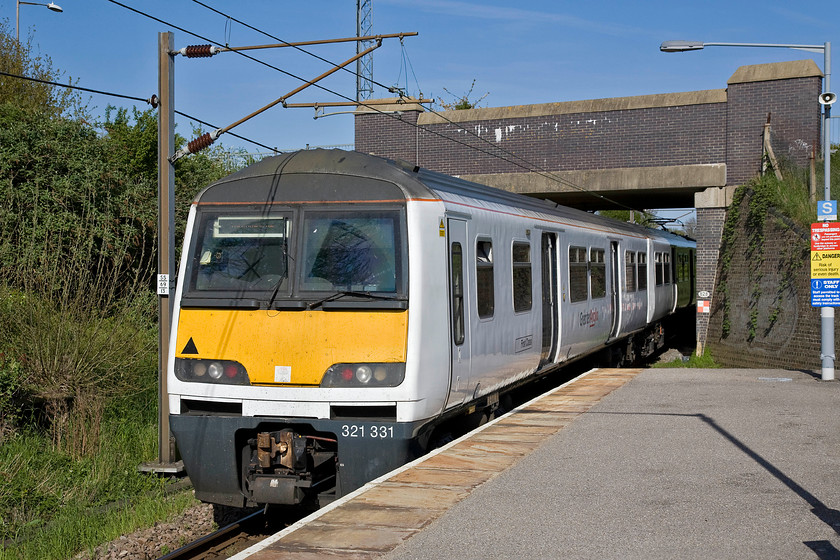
676,464
377,518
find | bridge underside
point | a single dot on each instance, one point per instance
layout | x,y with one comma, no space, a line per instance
603,189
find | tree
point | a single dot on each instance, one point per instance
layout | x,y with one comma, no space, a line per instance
643,218
462,102
20,59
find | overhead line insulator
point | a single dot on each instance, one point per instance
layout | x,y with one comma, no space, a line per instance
199,51
200,143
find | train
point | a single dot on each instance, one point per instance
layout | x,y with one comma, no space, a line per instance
334,310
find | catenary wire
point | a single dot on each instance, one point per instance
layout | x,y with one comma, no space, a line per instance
132,98
527,164
530,166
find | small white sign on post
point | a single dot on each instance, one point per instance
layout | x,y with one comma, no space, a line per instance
163,284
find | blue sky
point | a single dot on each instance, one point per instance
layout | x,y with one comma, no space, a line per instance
519,53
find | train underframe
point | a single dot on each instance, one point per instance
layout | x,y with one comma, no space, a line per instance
248,461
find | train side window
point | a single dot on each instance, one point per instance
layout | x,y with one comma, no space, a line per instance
485,301
457,263
598,273
521,256
660,275
666,268
643,271
578,285
630,271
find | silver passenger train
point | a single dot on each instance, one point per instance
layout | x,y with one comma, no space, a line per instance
334,309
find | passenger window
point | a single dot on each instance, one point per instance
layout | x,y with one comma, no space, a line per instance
598,273
457,264
484,278
630,271
643,271
578,286
660,274
521,277
666,268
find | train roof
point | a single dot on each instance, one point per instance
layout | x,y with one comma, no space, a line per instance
309,175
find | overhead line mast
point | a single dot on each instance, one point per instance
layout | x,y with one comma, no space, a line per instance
364,64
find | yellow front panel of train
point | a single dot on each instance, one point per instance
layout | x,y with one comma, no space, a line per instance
307,342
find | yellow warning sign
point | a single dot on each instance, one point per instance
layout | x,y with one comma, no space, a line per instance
442,228
825,264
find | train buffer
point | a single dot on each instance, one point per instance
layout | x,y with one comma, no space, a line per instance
656,463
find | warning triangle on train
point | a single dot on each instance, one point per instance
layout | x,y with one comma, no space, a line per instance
190,347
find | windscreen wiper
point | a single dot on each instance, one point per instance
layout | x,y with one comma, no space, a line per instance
345,293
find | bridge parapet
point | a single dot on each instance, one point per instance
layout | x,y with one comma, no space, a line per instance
652,151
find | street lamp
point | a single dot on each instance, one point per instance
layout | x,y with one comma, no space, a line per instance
51,6
825,99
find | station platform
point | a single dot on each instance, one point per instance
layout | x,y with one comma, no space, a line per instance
647,464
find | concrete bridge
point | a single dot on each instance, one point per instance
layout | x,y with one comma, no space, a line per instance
671,150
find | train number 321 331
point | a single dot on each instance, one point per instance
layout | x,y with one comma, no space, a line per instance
357,431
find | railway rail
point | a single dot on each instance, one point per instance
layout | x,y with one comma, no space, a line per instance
231,538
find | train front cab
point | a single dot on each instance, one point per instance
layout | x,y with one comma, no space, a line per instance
290,344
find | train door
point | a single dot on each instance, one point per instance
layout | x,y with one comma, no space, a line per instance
550,323
458,257
615,292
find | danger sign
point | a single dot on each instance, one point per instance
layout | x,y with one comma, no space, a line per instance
825,264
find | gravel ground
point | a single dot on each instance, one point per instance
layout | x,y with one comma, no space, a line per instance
156,541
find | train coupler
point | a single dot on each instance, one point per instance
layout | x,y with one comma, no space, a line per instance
287,466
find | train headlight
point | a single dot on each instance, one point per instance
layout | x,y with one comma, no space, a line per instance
225,372
364,375
215,371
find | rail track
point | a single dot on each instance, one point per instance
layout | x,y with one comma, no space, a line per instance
234,537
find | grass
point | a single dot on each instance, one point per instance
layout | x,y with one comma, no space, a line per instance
706,361
790,195
54,506
78,414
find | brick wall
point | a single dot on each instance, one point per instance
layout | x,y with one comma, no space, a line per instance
770,319
709,127
592,140
794,123
388,134
710,223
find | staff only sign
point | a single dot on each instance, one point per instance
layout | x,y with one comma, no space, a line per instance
825,264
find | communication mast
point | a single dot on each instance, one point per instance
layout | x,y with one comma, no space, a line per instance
364,65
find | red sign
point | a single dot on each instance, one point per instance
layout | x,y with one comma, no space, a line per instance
825,236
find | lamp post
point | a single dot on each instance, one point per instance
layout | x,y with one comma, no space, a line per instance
51,6
826,99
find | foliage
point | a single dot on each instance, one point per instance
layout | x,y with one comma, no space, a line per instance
78,313
64,205
462,102
20,59
746,221
705,361
643,218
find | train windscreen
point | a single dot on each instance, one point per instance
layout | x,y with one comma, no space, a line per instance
241,253
296,254
358,251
